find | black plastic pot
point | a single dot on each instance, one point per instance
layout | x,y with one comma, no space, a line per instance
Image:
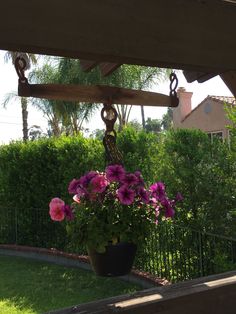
117,260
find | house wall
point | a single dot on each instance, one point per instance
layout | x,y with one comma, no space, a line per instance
209,117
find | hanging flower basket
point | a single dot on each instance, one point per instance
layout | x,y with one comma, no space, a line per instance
117,260
112,212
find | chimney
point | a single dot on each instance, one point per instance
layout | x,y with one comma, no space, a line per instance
184,107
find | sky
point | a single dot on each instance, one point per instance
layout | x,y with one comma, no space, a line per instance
11,122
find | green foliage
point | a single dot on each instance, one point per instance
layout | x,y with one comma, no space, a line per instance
140,152
31,173
204,172
167,119
185,160
153,125
231,115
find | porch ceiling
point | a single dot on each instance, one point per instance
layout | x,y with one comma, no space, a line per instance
194,35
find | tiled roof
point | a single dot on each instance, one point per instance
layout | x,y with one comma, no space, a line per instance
221,99
224,99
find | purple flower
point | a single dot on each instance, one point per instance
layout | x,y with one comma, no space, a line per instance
115,173
85,180
158,190
168,207
73,186
68,212
99,183
170,212
81,192
144,195
153,201
130,179
125,195
179,197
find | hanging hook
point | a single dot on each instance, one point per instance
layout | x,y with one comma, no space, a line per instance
23,85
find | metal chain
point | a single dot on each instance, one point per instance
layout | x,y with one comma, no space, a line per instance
20,66
109,116
173,86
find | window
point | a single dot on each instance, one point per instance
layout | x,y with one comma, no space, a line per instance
215,135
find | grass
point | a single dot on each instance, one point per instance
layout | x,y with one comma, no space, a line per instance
32,287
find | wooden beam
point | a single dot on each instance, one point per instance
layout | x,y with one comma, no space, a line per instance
107,68
201,77
206,295
88,65
96,94
184,34
229,79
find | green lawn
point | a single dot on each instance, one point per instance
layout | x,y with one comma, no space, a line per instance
30,287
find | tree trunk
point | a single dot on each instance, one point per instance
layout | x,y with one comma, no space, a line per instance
24,118
143,117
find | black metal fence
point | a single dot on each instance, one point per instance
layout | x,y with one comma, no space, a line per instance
179,253
173,252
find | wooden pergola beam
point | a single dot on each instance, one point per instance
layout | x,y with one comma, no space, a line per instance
182,34
230,80
107,68
88,65
201,77
96,94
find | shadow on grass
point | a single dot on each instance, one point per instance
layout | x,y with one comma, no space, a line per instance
38,287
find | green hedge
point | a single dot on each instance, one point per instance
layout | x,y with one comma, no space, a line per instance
34,172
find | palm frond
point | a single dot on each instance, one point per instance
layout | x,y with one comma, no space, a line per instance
9,97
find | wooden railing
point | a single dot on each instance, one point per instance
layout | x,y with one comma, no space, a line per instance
208,295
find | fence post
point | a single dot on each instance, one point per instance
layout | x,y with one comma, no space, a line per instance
200,253
16,227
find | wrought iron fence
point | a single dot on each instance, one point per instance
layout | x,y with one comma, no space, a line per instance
171,251
178,253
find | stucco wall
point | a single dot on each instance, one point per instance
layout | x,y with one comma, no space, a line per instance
209,116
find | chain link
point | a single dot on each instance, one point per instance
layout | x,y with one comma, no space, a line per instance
21,66
173,86
109,116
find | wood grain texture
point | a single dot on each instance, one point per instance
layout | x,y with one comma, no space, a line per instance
95,94
213,294
185,34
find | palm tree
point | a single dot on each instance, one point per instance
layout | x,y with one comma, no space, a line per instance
29,58
63,116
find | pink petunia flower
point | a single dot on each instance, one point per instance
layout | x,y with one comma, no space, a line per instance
168,207
73,186
144,195
99,184
125,195
68,212
158,190
115,173
56,211
130,179
85,180
170,212
81,192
